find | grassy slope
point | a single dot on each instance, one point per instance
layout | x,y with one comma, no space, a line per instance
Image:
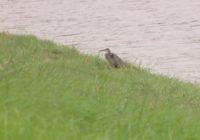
48,92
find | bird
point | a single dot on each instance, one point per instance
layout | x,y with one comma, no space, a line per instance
114,60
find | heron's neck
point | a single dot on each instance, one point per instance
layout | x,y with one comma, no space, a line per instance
108,51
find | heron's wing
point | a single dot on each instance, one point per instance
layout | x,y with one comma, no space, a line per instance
114,60
118,60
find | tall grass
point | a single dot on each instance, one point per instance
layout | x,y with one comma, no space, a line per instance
51,92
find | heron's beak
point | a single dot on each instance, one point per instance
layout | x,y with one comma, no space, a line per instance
102,50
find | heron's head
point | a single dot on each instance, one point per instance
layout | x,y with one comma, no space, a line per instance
106,50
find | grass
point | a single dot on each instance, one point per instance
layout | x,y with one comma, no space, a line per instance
51,92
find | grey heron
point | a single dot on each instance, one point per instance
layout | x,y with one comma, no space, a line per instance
112,58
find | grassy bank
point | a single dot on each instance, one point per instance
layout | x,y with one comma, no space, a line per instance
49,92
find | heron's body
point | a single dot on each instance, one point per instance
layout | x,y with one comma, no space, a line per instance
113,59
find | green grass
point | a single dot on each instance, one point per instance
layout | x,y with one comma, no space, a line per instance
50,92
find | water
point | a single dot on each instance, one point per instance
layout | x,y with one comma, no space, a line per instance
162,35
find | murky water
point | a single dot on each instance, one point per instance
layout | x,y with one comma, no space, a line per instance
163,35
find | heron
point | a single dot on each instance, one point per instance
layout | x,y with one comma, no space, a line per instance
114,60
